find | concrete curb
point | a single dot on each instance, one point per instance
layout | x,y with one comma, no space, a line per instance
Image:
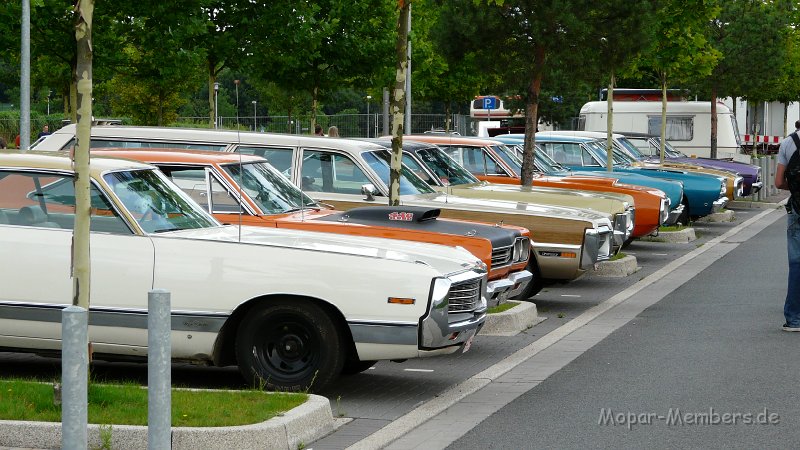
297,427
754,204
723,216
512,321
618,268
682,236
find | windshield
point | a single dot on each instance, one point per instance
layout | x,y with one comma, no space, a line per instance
270,190
630,148
509,158
598,149
155,203
409,183
445,167
669,150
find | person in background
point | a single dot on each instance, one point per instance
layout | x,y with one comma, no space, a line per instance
45,131
333,131
790,146
3,143
318,130
16,141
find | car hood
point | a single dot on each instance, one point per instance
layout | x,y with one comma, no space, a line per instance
446,200
673,189
447,260
607,202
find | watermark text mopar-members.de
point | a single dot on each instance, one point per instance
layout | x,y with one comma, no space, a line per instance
675,417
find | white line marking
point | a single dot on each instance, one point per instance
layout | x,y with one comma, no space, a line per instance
418,370
570,295
660,254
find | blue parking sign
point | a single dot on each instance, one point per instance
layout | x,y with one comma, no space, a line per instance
489,102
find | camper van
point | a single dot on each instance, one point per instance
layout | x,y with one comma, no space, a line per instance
688,124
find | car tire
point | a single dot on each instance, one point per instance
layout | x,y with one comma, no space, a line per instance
683,219
355,367
536,284
289,346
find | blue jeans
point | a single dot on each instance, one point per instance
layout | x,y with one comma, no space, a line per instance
791,309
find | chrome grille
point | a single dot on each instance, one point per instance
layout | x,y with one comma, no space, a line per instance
465,296
501,256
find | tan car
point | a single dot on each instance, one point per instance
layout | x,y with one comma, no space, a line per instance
566,241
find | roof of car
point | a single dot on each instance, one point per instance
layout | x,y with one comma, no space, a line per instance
62,161
222,137
451,139
407,143
175,155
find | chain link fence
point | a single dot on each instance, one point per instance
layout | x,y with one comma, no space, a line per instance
349,125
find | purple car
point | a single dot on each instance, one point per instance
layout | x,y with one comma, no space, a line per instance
646,147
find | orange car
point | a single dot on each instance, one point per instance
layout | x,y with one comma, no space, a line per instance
652,205
269,199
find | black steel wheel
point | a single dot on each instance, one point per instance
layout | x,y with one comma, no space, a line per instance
289,345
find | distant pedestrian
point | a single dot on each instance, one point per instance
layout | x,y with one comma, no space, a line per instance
16,141
787,176
333,131
3,143
318,130
45,131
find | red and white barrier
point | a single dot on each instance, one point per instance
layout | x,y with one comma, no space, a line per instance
759,139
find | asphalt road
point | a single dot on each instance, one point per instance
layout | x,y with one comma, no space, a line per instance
565,411
713,346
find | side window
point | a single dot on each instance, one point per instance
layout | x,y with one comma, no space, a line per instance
222,200
48,201
279,158
492,168
191,180
587,157
331,172
473,160
679,128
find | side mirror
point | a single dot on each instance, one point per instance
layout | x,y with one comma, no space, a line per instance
369,191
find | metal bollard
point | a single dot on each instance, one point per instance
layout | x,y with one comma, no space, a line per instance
74,377
159,366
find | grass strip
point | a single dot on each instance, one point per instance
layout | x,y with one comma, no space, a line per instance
126,404
502,307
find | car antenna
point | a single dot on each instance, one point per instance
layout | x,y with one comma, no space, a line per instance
241,168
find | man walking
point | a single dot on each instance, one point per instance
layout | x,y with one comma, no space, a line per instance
787,176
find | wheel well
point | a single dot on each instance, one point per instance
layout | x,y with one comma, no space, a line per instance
224,347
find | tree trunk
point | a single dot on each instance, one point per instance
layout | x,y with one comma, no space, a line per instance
610,126
663,117
532,117
314,105
81,265
398,102
714,120
212,105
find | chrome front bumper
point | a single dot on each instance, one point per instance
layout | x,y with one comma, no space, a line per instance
719,205
755,187
440,328
673,216
498,291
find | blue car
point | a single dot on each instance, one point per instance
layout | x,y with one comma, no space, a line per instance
703,194
546,165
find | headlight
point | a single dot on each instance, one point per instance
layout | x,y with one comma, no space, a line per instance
522,249
665,204
722,190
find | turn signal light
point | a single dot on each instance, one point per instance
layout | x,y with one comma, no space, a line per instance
569,255
401,301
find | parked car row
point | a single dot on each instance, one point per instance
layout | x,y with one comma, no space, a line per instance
282,255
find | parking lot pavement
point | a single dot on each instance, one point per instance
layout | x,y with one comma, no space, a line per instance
389,391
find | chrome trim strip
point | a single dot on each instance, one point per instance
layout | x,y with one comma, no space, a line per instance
195,321
374,333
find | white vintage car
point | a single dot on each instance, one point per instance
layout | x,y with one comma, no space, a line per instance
290,308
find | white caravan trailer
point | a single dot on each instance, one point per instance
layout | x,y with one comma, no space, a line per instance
688,124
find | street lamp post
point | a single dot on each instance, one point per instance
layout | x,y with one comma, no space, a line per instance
255,102
216,104
369,97
48,101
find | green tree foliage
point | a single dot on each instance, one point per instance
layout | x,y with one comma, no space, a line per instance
680,51
319,46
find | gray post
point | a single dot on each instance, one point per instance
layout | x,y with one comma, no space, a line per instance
74,377
159,376
25,79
